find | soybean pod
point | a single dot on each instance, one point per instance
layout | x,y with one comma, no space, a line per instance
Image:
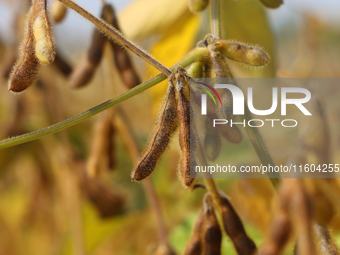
160,137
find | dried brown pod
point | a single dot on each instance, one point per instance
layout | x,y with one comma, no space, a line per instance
231,134
212,142
107,202
194,245
233,226
24,73
211,232
38,47
187,139
125,68
83,74
101,155
62,65
58,11
121,56
160,137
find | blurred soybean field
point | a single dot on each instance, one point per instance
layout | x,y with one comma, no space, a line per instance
62,194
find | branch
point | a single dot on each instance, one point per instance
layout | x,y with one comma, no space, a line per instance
194,56
116,36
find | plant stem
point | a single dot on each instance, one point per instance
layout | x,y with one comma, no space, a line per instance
253,133
325,242
216,27
127,134
83,116
261,150
195,55
211,186
116,36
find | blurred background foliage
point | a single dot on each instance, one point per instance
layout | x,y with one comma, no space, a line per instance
46,206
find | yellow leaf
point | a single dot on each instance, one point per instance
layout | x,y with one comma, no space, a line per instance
143,18
171,48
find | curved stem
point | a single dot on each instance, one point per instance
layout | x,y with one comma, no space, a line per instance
116,36
131,143
193,56
261,150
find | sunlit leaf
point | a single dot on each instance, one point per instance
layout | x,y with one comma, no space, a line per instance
143,18
172,47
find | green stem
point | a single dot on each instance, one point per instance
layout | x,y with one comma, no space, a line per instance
253,133
261,150
194,56
216,27
116,36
